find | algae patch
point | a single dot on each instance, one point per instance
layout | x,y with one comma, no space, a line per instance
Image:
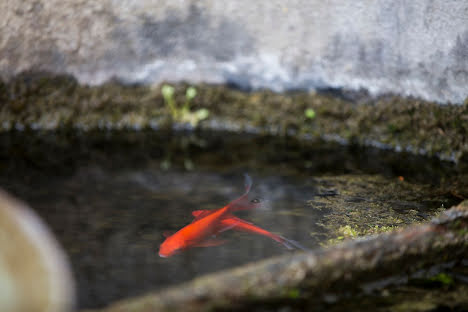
372,204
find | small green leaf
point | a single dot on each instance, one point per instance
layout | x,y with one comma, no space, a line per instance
166,164
167,91
293,293
188,164
442,278
202,113
190,93
309,113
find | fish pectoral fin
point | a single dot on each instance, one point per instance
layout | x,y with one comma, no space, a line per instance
167,233
228,225
237,220
210,242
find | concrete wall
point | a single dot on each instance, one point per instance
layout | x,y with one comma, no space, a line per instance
417,48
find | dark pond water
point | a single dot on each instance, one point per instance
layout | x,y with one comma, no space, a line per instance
108,197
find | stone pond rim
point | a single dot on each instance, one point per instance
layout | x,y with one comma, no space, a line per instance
416,48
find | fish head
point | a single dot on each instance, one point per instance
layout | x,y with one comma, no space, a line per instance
256,203
170,246
246,204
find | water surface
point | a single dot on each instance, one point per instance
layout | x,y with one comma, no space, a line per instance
108,197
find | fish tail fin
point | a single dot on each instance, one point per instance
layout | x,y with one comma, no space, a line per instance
292,244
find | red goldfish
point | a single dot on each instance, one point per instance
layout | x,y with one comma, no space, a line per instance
209,223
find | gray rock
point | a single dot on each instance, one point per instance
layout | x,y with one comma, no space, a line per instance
417,48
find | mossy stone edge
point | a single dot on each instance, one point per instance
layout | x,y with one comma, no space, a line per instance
47,102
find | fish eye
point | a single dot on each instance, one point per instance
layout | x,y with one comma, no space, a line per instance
256,200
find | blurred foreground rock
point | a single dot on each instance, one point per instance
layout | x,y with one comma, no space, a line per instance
34,273
321,276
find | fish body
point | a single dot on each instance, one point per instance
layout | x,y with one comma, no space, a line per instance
193,234
200,231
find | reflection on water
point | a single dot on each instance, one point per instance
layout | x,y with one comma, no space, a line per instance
109,198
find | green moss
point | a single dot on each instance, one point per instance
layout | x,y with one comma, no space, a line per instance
442,278
293,293
372,204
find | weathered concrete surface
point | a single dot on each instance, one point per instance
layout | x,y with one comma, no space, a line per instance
417,48
34,273
318,276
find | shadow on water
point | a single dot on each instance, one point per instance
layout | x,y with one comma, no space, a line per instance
109,197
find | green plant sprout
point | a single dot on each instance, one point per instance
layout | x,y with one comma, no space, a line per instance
183,114
168,94
190,94
310,113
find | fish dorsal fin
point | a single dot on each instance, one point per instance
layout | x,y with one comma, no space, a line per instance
236,204
167,233
247,183
196,213
200,214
